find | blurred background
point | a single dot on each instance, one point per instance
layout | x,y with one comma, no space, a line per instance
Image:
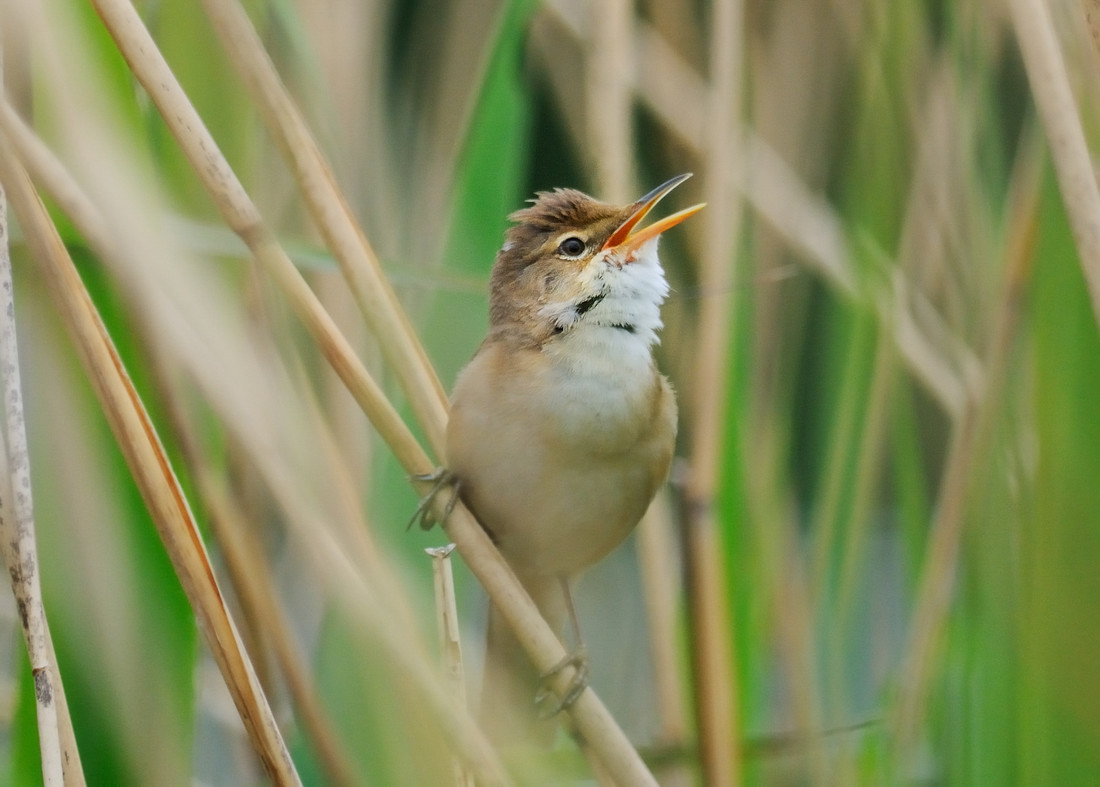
878,558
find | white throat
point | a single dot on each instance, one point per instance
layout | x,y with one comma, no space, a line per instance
621,304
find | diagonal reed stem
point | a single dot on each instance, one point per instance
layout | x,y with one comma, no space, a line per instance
330,211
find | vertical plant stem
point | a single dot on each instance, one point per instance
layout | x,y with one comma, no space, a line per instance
657,558
17,525
716,694
59,754
608,98
450,642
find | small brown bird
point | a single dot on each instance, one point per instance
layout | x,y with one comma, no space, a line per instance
561,427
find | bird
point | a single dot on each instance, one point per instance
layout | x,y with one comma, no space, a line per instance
561,427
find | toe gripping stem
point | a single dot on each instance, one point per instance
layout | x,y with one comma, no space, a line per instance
578,660
438,478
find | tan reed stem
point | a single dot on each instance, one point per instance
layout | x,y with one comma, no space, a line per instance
450,642
17,535
330,211
716,693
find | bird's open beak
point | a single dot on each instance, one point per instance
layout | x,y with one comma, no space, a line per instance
625,239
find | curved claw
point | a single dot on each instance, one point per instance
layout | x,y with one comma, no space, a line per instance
439,478
578,660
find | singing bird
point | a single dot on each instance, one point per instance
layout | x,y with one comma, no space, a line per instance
561,426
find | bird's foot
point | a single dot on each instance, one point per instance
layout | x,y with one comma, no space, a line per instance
578,660
438,478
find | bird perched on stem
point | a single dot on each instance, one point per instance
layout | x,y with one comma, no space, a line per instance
561,427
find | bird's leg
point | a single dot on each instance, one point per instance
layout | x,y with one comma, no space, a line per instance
577,658
438,478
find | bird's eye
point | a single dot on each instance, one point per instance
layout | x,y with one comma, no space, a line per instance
572,247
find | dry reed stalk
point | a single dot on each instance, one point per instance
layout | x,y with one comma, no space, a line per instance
450,641
57,767
716,690
588,713
1050,88
351,432
73,769
657,560
17,534
17,545
608,101
151,470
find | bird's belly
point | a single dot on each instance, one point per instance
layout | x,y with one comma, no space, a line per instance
561,519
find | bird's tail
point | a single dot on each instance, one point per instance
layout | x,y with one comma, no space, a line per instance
510,682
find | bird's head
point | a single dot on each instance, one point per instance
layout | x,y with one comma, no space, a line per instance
571,261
